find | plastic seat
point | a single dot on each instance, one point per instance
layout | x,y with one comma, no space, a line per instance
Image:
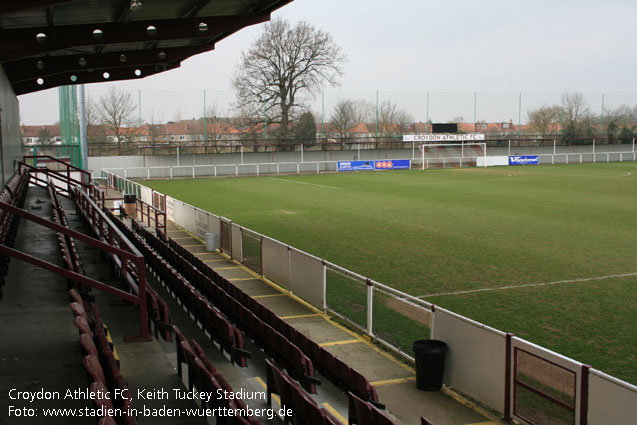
86,341
83,326
93,368
100,400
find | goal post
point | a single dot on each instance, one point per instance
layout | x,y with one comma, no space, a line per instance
444,155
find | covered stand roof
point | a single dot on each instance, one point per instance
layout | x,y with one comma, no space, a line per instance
49,43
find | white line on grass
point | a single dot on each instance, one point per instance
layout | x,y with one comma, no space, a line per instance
528,285
309,184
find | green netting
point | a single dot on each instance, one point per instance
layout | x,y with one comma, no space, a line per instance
69,126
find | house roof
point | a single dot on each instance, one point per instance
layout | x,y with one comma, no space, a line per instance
48,43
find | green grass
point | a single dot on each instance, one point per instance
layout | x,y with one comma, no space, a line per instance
448,230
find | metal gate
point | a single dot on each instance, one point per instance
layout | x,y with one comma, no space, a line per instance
547,388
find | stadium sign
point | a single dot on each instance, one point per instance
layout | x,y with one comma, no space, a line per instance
385,164
393,164
524,160
442,137
355,165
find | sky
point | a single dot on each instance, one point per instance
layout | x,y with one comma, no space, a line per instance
474,57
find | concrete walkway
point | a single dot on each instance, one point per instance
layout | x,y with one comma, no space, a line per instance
393,379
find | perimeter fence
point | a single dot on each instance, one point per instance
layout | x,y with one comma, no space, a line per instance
519,379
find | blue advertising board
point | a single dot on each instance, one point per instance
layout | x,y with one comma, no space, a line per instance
393,164
524,160
385,164
355,165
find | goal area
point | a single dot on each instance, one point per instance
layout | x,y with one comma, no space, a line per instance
453,155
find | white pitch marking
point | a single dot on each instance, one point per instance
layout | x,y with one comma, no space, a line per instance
528,285
309,184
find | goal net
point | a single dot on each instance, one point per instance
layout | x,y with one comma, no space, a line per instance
453,155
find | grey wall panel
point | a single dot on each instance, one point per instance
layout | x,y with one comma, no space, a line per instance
307,278
610,402
276,262
475,363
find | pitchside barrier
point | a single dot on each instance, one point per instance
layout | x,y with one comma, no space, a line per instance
170,166
517,378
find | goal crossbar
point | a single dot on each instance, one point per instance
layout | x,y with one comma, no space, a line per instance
423,146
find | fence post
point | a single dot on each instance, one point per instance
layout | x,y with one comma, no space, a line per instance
301,152
370,304
594,155
507,378
148,172
171,171
583,393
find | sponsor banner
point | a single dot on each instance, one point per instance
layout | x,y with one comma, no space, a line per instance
524,160
393,164
442,137
355,165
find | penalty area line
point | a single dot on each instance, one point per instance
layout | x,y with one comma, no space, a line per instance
528,285
309,184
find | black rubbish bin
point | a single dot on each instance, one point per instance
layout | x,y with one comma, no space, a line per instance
130,205
430,363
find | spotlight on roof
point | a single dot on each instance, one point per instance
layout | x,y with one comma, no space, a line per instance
135,4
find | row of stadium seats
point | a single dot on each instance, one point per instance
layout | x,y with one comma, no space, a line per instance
304,408
330,366
257,320
157,308
203,376
100,363
212,320
242,309
70,254
14,193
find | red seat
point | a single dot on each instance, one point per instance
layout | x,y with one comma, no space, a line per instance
360,412
102,396
380,418
88,345
78,310
93,367
83,326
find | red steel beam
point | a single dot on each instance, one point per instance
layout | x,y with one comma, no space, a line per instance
74,234
69,274
22,42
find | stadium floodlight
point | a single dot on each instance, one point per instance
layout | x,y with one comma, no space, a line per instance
443,155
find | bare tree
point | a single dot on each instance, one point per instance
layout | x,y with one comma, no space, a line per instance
577,116
284,64
44,136
545,120
349,113
392,119
115,109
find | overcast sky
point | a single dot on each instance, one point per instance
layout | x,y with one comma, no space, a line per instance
404,48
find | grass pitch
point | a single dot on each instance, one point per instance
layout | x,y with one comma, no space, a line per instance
435,233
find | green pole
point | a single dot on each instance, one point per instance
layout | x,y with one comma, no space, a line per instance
205,127
601,124
475,109
427,122
139,95
377,115
519,115
323,114
562,119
